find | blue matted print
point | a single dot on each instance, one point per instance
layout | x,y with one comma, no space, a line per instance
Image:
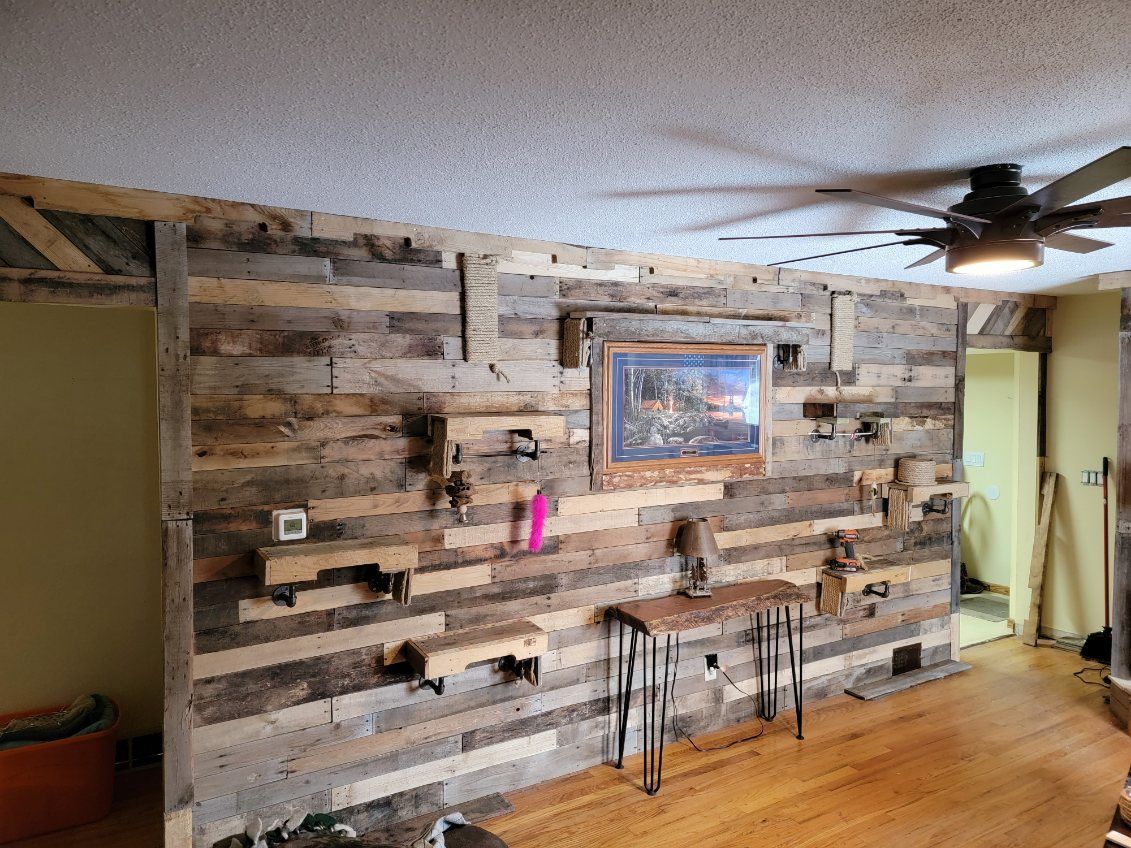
670,403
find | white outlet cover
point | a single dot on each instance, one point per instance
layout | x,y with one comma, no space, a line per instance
974,459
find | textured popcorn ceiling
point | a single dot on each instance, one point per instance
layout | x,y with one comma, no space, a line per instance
542,119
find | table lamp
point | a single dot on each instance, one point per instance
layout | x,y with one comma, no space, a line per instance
696,542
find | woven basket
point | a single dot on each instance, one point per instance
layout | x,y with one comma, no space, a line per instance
916,470
1125,805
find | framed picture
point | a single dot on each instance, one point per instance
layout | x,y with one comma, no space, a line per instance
668,404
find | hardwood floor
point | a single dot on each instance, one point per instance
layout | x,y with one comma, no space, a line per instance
1015,752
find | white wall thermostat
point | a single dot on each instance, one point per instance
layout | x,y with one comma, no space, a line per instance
288,524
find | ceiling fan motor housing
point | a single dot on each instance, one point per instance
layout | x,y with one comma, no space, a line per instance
993,187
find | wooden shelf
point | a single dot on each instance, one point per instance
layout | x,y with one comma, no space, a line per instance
470,427
918,494
444,654
836,586
298,563
449,430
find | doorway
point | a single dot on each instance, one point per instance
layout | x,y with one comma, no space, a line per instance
999,516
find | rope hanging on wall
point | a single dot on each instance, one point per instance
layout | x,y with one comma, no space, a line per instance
843,330
480,307
899,508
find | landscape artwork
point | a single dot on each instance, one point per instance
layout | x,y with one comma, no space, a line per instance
670,404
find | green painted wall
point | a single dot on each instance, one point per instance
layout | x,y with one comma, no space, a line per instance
1083,388
80,553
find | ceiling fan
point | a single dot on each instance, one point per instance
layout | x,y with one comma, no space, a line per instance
999,226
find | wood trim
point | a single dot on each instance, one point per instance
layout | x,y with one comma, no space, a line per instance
145,205
174,373
1121,583
957,470
173,376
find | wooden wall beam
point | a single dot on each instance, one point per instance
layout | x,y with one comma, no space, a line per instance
173,381
956,457
1121,584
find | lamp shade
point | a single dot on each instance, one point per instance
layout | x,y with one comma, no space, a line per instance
696,539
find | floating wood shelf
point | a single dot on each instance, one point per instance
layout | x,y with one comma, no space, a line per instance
918,494
519,643
449,432
836,586
285,565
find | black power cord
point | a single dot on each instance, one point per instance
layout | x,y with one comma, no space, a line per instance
681,732
1079,675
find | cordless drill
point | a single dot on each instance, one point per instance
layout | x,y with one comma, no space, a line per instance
848,562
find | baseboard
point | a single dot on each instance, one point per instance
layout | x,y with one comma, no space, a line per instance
997,589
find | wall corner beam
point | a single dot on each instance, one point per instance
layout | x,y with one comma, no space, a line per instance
173,385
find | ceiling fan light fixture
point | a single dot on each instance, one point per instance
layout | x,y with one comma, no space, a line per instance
995,257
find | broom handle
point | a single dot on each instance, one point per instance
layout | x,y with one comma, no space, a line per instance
1107,579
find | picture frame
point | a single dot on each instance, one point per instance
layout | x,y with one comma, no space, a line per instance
673,405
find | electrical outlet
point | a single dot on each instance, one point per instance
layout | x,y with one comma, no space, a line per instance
974,459
1091,478
712,666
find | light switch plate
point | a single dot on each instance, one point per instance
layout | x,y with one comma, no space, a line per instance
288,524
974,459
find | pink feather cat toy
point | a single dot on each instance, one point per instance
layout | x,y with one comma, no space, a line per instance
539,506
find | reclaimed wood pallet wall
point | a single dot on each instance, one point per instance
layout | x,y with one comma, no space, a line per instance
319,344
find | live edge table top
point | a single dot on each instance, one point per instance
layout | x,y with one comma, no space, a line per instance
675,613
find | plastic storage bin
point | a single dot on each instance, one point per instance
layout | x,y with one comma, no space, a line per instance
54,785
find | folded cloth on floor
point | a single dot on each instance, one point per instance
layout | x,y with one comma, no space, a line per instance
88,714
434,836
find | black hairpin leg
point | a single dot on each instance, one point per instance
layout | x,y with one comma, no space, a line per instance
653,741
797,664
625,699
766,662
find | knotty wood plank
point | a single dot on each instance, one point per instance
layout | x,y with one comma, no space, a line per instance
27,285
235,375
230,291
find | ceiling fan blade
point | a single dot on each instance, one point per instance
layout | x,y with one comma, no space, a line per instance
1113,212
1105,171
899,205
848,233
1075,244
928,259
839,252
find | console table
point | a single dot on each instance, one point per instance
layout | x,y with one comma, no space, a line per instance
677,613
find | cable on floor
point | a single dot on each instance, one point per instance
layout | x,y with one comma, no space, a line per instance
1079,675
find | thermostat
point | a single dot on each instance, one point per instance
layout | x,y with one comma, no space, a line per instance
288,524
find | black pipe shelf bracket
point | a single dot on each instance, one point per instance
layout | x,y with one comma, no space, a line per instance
871,589
516,647
867,428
